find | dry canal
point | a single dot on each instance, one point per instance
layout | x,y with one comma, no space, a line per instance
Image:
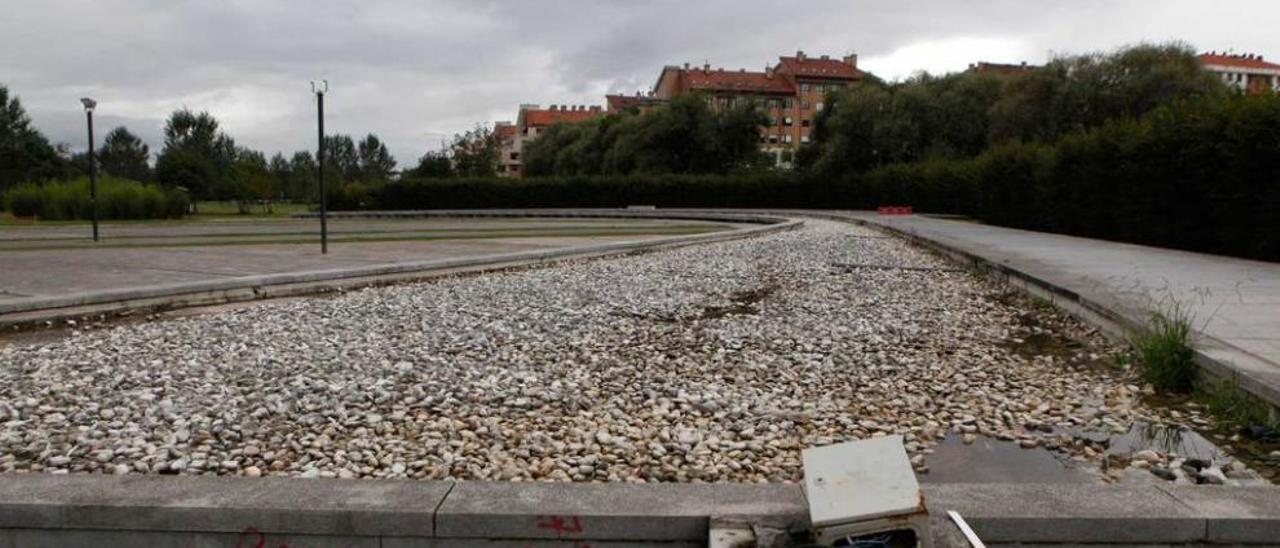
713,363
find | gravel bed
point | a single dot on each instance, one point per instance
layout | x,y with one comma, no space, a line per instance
710,363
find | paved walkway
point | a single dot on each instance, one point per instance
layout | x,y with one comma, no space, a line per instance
1235,302
54,260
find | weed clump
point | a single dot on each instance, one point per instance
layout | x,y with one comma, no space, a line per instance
1164,353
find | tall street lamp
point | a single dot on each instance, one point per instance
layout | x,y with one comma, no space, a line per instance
320,90
89,104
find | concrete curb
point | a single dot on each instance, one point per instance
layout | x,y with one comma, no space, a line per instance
45,509
41,309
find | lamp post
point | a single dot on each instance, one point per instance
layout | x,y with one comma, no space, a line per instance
89,104
320,90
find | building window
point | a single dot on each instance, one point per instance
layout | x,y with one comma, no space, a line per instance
786,139
786,103
818,106
786,121
804,138
515,155
804,105
773,139
804,87
804,123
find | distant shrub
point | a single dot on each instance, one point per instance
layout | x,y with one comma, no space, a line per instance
117,199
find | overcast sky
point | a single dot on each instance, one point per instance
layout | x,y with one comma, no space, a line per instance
415,71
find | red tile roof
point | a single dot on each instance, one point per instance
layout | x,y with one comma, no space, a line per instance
1242,61
546,117
504,131
810,67
618,102
725,80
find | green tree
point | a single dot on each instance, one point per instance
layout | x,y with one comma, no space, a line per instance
302,176
375,162
684,136
196,156
25,154
341,160
250,180
433,164
281,173
963,115
475,152
124,155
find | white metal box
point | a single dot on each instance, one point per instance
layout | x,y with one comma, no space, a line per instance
863,488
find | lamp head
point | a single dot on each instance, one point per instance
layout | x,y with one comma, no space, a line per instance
88,103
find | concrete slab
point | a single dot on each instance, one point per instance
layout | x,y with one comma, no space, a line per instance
94,510
490,543
1234,515
52,538
1033,513
220,504
664,512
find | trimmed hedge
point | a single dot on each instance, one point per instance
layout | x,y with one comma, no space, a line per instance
117,199
1201,176
749,190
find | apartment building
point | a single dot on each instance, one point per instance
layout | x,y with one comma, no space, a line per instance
531,121
615,104
791,93
1247,72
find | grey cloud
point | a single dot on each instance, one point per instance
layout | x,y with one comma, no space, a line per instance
413,71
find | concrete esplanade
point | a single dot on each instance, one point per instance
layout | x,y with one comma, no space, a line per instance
1115,286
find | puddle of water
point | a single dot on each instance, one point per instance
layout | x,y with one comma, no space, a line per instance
1168,439
989,460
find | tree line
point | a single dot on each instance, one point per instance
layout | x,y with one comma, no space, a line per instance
684,136
202,159
964,114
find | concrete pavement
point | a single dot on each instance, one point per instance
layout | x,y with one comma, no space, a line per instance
226,275
58,259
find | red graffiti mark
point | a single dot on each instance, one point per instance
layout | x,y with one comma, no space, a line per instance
574,545
560,524
251,533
